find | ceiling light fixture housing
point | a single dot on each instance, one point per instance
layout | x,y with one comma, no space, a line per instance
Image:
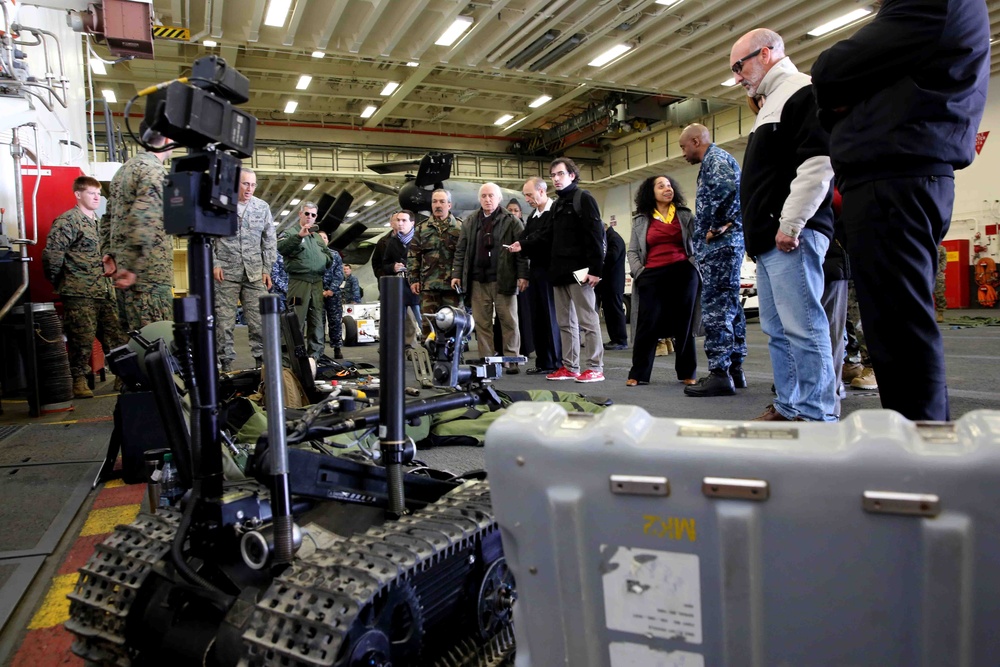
454,31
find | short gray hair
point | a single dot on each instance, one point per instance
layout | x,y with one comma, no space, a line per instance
446,193
307,204
538,183
247,170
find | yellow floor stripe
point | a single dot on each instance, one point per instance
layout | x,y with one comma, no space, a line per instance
114,484
104,520
55,607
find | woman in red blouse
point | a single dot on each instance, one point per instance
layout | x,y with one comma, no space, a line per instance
664,278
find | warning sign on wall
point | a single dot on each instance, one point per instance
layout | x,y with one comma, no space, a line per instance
980,140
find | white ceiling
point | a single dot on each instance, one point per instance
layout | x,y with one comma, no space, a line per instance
453,95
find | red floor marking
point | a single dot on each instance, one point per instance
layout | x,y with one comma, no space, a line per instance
47,647
80,552
123,495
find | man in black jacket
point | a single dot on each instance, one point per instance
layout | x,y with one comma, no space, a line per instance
577,261
545,329
785,191
390,260
904,97
611,290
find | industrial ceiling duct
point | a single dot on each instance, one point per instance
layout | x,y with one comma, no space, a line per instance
558,52
532,50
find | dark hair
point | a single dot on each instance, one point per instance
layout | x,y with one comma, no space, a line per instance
570,166
83,182
413,216
514,202
645,199
148,134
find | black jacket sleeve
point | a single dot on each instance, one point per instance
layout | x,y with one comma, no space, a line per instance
593,229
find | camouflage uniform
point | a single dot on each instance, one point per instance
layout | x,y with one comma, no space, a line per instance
243,259
279,281
138,241
429,260
940,300
857,349
333,305
72,262
351,291
719,261
306,260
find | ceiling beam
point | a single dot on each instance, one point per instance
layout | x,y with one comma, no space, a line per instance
544,110
414,80
485,21
217,19
293,23
256,19
377,7
442,24
512,31
404,24
336,11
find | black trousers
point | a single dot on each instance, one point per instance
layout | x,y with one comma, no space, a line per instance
611,293
893,227
667,297
545,329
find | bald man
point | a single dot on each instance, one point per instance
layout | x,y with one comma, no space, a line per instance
489,275
785,191
718,248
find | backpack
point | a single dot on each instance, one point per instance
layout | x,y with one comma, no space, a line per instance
578,209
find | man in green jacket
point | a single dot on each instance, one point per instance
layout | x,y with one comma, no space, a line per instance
306,260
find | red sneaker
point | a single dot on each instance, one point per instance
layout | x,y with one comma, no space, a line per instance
562,374
590,376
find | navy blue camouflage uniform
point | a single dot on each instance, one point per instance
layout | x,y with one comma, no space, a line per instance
279,280
719,260
333,306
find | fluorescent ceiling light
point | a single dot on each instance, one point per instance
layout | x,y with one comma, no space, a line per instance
667,3
109,96
97,66
731,81
318,54
277,12
291,106
308,186
448,37
840,22
368,112
211,44
540,101
285,212
294,202
303,83
504,119
390,88
370,202
351,214
609,55
413,64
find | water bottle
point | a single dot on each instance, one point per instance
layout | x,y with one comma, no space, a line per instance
169,484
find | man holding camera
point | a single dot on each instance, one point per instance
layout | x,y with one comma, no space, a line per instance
306,260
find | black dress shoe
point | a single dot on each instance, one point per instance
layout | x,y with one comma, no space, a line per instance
539,371
739,377
717,383
615,346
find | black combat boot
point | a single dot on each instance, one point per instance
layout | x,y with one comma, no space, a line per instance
717,383
337,354
739,377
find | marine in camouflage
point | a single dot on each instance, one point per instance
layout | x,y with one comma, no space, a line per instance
72,262
138,241
857,349
86,318
244,258
717,204
940,299
153,304
429,263
332,304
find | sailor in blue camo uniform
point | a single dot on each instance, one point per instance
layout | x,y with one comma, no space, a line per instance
333,305
719,249
279,281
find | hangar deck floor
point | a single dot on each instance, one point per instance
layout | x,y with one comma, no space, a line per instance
47,466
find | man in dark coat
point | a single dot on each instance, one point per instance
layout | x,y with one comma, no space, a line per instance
611,291
903,99
545,328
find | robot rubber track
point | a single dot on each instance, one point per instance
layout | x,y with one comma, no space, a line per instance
386,594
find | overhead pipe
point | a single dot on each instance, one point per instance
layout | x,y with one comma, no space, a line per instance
16,151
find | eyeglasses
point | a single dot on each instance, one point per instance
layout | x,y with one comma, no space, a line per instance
738,65
309,215
554,174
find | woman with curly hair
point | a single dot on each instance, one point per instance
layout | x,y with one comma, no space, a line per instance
664,277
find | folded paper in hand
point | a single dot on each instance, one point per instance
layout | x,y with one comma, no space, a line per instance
581,274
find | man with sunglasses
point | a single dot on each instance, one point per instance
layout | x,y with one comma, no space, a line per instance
306,260
904,97
491,275
786,189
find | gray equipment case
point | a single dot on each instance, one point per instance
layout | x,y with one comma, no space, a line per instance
654,542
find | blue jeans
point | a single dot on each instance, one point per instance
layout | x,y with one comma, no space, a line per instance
790,291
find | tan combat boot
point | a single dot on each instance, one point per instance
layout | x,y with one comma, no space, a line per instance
80,388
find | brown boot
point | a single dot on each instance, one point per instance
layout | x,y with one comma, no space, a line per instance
772,415
80,388
940,316
850,371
